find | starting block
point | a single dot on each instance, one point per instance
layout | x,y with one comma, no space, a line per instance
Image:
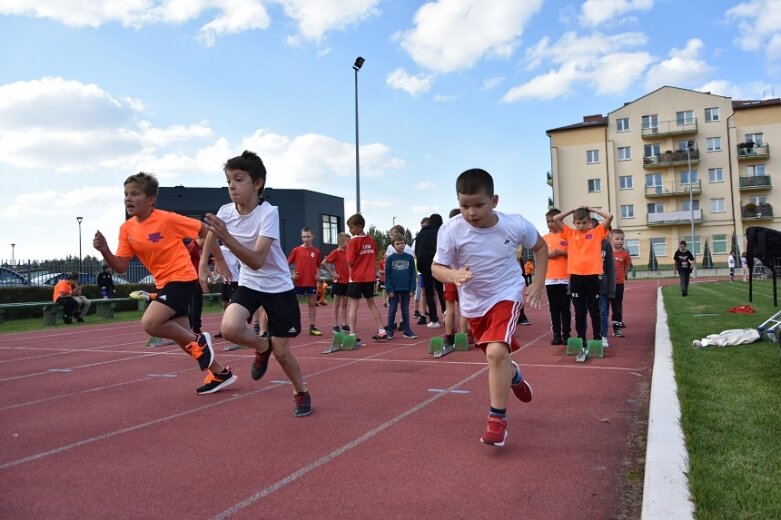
336,343
350,342
461,342
595,348
574,346
435,344
154,341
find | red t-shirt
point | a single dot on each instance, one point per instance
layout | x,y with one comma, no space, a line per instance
339,259
623,263
307,261
362,259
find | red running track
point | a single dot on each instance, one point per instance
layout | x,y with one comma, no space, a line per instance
96,425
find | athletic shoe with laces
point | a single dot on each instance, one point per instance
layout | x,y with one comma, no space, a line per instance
381,335
303,404
495,431
422,320
202,350
216,382
605,343
434,325
336,329
410,335
345,328
314,331
142,295
260,365
522,390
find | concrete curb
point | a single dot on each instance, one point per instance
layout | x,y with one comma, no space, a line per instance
665,489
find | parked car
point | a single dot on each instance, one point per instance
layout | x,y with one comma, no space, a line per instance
10,278
84,279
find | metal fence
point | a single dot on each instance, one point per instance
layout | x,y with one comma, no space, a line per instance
33,272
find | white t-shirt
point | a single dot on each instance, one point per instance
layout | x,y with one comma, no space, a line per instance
274,275
731,262
490,255
232,261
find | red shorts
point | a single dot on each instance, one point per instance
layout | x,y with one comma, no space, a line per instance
498,325
451,292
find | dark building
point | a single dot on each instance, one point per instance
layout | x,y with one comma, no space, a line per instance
297,208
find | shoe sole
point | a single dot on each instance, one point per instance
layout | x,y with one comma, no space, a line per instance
497,444
297,414
221,386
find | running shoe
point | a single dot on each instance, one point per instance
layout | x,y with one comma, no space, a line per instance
345,328
336,329
260,365
202,350
434,325
522,390
495,431
216,382
142,295
605,343
314,331
381,335
303,404
410,335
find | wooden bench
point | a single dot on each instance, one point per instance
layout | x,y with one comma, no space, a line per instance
52,312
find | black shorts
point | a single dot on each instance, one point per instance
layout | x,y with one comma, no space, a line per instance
360,290
284,315
305,290
228,289
339,289
177,295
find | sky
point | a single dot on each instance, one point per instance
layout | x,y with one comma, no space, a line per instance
94,91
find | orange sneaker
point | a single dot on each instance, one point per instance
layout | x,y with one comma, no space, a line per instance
201,350
216,382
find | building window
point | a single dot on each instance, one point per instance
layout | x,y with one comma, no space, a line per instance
654,182
715,175
330,229
685,117
659,246
594,185
712,114
717,206
760,199
756,170
625,182
685,205
693,245
655,207
719,244
592,156
632,246
622,125
684,145
714,144
651,121
757,138
624,153
688,177
627,211
652,150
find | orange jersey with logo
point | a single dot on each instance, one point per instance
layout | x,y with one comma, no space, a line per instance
557,267
584,255
63,288
158,242
307,260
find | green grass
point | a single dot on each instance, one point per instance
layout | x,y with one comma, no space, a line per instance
730,402
32,324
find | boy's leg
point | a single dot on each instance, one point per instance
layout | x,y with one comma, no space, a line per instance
288,362
581,307
604,313
596,318
311,300
234,328
352,312
450,317
393,304
554,305
375,312
500,374
404,302
618,304
196,309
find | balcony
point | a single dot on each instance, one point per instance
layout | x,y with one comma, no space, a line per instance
670,218
752,211
673,189
669,128
750,151
667,159
754,182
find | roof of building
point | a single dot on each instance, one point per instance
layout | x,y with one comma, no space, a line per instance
754,103
588,121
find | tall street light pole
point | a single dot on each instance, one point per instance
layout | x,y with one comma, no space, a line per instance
12,254
394,221
689,146
79,219
356,67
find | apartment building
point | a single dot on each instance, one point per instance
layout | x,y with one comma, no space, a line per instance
669,161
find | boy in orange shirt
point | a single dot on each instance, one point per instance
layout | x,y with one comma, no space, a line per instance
557,280
63,294
584,265
306,258
362,262
156,238
623,263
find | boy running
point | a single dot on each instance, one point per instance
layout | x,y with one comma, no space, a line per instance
249,227
476,251
156,238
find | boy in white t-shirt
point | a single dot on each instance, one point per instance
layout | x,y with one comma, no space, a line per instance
249,227
476,251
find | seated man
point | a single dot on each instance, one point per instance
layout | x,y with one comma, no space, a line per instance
63,294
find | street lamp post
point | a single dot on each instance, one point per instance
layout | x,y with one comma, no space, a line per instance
394,221
356,67
13,262
689,146
79,219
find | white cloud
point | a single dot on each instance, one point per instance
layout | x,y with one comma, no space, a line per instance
314,19
424,210
492,83
445,98
759,24
400,79
451,35
236,16
683,67
751,90
597,12
425,185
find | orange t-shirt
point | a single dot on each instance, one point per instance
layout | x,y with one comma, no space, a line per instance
362,258
63,288
339,259
158,242
584,256
307,260
557,267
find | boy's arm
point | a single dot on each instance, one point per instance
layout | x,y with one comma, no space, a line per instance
534,291
446,274
210,247
607,217
118,264
252,258
561,216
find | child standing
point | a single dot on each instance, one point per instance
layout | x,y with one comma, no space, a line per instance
475,251
731,265
584,265
557,280
623,264
607,285
306,259
400,281
106,283
336,264
362,262
249,227
156,238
